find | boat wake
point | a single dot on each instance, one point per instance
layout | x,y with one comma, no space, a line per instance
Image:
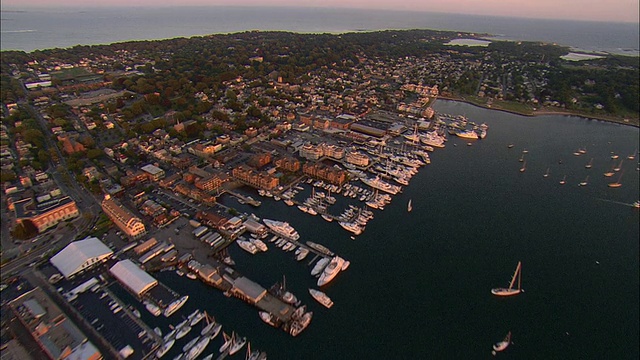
616,202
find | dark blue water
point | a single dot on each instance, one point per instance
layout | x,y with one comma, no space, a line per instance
65,27
419,283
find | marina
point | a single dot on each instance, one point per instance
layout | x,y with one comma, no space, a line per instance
410,219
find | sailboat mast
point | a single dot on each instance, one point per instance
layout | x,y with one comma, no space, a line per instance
519,274
515,274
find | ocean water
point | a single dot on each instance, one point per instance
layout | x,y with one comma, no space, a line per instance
419,283
30,29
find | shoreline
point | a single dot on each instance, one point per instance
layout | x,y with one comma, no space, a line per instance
621,121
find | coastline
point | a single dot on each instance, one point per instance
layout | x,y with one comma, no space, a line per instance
634,122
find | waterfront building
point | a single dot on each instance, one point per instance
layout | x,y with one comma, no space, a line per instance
326,173
209,183
311,152
54,333
130,225
133,277
81,255
357,158
288,164
45,214
260,180
260,160
333,151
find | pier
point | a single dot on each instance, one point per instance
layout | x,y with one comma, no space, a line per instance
247,199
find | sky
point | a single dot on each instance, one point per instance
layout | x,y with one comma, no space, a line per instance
588,10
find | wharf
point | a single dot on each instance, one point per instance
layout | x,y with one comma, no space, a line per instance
142,324
247,199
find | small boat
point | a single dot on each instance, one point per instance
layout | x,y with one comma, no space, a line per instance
521,158
614,156
193,320
632,156
636,204
510,146
190,344
183,331
165,348
227,342
321,297
511,290
502,344
585,182
236,344
180,272
546,175
524,167
191,276
564,180
215,331
616,184
345,265
268,318
589,165
617,168
198,348
409,207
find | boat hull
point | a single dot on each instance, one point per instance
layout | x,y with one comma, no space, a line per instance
505,292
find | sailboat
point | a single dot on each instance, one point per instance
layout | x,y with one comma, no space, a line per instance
409,207
589,165
511,290
524,167
616,184
564,180
502,344
546,175
521,158
585,182
610,173
617,168
632,156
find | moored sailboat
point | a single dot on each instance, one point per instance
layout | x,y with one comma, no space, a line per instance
500,346
510,291
409,207
589,165
564,180
616,184
546,175
524,167
585,182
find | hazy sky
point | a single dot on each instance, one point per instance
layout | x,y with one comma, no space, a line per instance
598,10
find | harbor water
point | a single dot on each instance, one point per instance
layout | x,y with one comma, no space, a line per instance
419,283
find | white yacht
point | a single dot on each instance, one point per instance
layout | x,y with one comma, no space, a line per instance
320,265
175,306
282,228
376,183
259,244
352,227
321,297
236,344
198,348
330,272
247,246
165,348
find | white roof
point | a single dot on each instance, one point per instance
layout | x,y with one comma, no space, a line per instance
132,276
151,169
77,255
